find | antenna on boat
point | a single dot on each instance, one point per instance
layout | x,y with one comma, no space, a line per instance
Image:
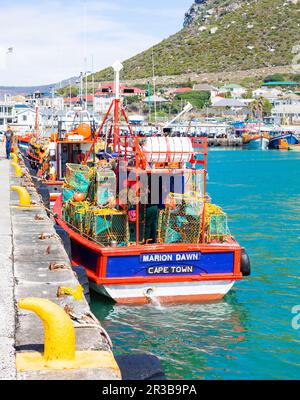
117,67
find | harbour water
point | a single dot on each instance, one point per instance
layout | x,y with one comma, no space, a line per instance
249,335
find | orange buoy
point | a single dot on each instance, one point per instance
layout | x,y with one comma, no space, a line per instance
79,197
83,130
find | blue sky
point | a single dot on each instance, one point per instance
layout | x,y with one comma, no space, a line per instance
53,38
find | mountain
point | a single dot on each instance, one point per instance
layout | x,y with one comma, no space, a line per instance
15,90
202,10
222,36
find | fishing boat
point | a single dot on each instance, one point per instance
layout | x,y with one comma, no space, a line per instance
62,148
141,223
256,141
24,140
276,141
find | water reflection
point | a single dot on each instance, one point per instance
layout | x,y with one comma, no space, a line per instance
184,337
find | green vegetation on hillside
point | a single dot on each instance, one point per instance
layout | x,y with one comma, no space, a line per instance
261,33
197,99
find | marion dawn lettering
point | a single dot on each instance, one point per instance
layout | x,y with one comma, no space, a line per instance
169,257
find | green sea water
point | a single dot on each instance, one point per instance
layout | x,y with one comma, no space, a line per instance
248,335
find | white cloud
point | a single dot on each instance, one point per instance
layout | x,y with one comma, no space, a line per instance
51,39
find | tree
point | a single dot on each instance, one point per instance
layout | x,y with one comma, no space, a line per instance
198,99
274,78
260,106
65,92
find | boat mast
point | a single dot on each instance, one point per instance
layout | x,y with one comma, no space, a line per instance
117,66
115,106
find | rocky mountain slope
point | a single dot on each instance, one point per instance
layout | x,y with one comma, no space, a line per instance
223,36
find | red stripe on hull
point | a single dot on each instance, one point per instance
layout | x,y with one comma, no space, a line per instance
197,298
54,197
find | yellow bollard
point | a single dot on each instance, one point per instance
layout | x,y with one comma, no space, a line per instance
18,170
14,157
25,200
58,327
60,349
76,293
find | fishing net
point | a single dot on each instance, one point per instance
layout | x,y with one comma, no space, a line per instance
181,221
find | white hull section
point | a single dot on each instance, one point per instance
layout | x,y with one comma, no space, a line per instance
178,292
258,144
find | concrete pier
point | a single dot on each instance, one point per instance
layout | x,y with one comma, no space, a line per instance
7,304
33,263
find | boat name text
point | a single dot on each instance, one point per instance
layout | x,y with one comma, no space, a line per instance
169,257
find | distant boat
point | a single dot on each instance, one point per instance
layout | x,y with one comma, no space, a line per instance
136,119
290,138
256,141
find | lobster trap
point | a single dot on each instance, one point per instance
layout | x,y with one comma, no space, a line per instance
107,183
78,177
181,221
78,215
110,227
216,224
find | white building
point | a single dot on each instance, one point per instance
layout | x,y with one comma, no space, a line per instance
288,112
101,104
6,114
45,100
236,91
24,119
271,94
288,99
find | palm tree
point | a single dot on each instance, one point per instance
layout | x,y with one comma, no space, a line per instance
257,107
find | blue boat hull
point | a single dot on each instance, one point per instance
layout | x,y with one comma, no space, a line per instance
290,138
257,144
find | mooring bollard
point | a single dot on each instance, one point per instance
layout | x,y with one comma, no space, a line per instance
60,343
77,293
14,157
25,200
18,170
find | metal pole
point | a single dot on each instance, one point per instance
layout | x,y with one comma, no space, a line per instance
70,94
154,85
81,87
86,90
93,85
117,66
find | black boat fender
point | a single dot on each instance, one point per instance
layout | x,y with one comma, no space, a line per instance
84,281
45,195
245,263
65,238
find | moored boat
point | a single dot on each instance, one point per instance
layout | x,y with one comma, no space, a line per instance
277,141
256,141
141,223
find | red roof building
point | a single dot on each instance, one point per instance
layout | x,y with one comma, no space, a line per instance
183,90
108,89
